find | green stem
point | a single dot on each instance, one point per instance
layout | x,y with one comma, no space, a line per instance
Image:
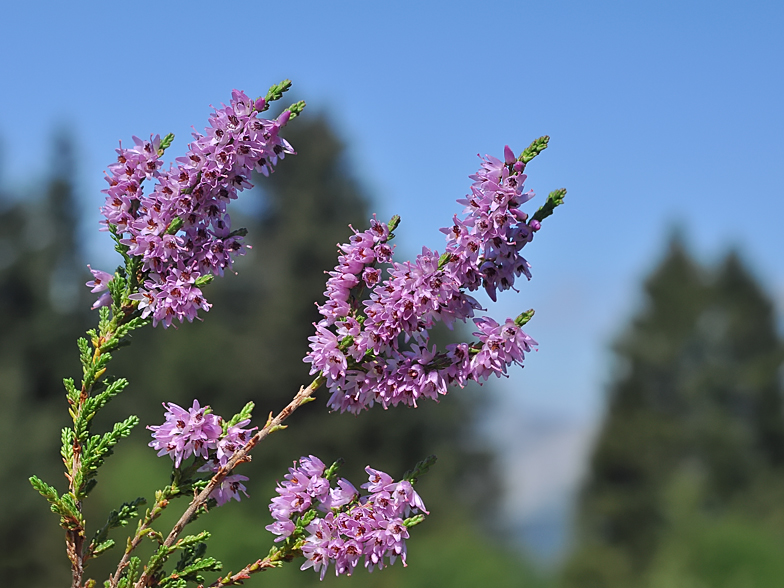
161,502
102,342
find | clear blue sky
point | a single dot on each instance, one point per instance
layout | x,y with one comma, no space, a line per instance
660,113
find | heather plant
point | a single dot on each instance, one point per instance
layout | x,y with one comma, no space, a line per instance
372,346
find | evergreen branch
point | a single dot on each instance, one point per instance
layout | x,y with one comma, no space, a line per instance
276,92
100,447
97,549
121,338
554,199
130,575
296,109
117,518
244,414
191,571
119,247
66,450
188,543
206,564
105,313
413,521
419,469
534,149
157,560
95,403
84,352
70,390
64,506
191,540
165,143
85,454
190,555
143,529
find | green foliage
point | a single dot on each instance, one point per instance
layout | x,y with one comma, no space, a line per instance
554,199
117,518
99,447
165,143
93,404
121,334
276,92
524,317
693,434
419,469
64,506
131,574
71,393
534,149
191,563
245,413
296,108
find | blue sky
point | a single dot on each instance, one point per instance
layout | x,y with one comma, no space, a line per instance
661,114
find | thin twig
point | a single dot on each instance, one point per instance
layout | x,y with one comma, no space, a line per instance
257,566
241,455
144,525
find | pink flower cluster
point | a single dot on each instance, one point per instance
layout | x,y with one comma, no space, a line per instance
200,433
372,526
375,349
180,230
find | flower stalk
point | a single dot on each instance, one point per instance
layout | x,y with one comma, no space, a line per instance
241,455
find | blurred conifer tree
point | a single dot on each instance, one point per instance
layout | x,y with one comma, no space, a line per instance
696,396
43,306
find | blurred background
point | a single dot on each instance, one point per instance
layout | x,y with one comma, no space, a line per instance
643,443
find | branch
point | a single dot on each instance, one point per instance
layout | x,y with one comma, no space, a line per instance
142,530
259,565
304,396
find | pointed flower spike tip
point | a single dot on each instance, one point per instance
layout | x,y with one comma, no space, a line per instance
524,317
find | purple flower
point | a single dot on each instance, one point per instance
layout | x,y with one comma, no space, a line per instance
100,281
312,465
283,528
371,526
229,488
236,437
186,432
179,229
340,496
377,480
375,350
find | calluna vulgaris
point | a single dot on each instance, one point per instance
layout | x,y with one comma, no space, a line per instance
173,231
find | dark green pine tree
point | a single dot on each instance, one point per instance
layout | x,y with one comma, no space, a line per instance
43,307
696,390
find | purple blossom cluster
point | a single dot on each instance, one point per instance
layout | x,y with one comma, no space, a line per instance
374,349
180,230
198,432
372,526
